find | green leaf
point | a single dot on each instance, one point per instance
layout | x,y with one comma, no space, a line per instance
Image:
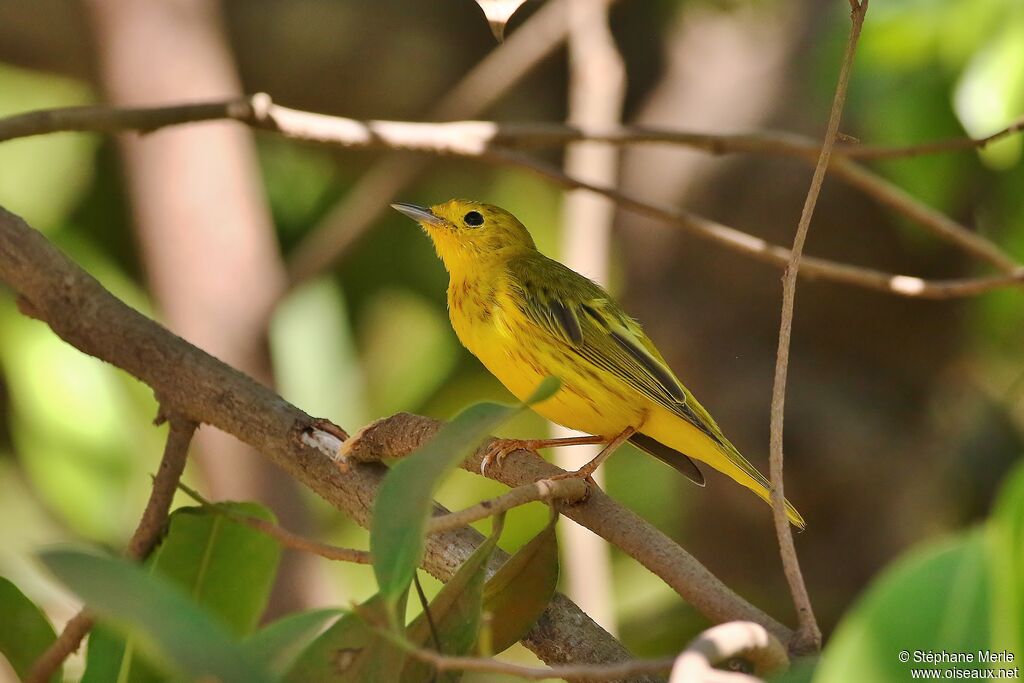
405,499
1005,536
225,566
456,612
935,598
351,651
156,615
25,632
105,657
521,589
277,645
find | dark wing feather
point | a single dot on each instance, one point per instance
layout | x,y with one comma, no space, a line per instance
583,316
669,456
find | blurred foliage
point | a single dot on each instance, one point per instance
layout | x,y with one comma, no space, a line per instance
370,338
203,554
25,632
960,596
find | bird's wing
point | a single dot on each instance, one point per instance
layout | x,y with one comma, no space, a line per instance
581,316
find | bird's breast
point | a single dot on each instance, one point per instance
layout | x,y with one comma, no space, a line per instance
491,326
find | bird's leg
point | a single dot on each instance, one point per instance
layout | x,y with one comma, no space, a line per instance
498,449
587,470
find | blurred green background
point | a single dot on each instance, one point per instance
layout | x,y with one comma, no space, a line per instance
902,416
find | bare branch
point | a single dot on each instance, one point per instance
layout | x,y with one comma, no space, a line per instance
762,250
460,139
192,383
146,535
66,644
808,635
566,491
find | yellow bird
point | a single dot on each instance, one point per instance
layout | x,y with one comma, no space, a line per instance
527,317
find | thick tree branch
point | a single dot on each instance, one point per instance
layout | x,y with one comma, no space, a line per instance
199,387
147,533
808,636
476,139
400,434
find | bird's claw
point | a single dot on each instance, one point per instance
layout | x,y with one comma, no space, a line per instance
499,449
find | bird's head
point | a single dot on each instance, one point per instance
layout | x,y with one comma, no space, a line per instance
466,233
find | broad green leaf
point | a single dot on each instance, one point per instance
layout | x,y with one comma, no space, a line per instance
405,499
521,589
25,632
351,651
225,566
1005,536
456,612
156,615
277,645
105,659
935,598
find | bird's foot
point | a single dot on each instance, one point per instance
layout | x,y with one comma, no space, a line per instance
498,450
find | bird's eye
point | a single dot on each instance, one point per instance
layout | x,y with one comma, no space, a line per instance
474,219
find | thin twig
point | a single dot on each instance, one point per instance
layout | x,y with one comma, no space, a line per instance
569,490
425,606
714,646
458,139
808,635
576,672
148,531
286,538
762,250
453,137
294,541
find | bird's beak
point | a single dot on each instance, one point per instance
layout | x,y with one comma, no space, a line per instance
420,214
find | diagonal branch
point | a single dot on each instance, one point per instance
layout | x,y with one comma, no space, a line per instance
194,384
401,434
808,636
147,533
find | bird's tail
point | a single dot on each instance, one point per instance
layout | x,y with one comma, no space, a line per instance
717,452
752,478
